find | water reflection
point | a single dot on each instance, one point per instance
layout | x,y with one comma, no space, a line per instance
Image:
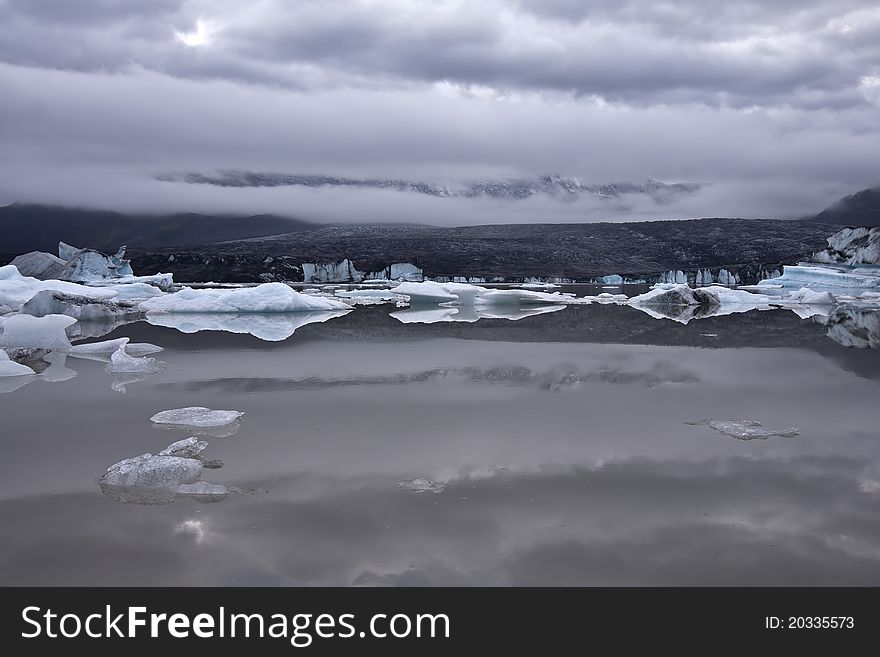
272,327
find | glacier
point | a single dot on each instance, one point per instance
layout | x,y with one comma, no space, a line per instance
345,271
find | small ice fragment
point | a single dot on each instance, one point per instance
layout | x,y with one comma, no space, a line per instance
188,448
149,471
421,485
196,416
748,429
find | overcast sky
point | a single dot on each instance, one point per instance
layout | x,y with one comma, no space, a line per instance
776,104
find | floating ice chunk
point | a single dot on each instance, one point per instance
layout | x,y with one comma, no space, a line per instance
103,349
16,290
11,368
362,296
188,448
122,362
421,485
265,298
539,286
271,327
35,332
424,293
820,277
667,295
747,429
149,471
133,291
807,296
467,294
611,279
196,416
53,302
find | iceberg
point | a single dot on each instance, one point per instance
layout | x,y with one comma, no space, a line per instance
196,416
399,271
11,368
265,298
190,448
421,485
424,293
611,279
103,349
149,471
35,332
57,370
332,272
747,429
271,327
39,265
818,277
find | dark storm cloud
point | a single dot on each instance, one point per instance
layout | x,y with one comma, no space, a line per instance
776,104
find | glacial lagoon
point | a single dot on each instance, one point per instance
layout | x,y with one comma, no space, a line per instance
575,446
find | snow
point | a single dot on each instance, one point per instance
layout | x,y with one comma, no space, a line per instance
271,327
188,448
747,429
265,298
16,290
196,416
427,292
421,485
35,332
11,368
121,362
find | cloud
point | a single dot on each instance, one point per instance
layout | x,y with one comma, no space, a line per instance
775,105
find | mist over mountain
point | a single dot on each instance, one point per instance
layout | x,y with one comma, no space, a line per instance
563,188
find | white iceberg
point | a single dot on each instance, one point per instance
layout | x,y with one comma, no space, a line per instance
271,327
26,331
521,297
611,279
265,298
852,246
57,370
11,368
190,448
196,416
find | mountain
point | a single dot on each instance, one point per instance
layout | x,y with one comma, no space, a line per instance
860,209
560,187
40,227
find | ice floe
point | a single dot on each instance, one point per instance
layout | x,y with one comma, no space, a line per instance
426,293
196,416
265,298
16,290
188,448
747,429
271,327
11,368
158,479
35,332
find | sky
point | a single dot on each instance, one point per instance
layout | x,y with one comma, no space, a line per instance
776,106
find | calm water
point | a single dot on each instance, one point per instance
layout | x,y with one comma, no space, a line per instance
561,440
